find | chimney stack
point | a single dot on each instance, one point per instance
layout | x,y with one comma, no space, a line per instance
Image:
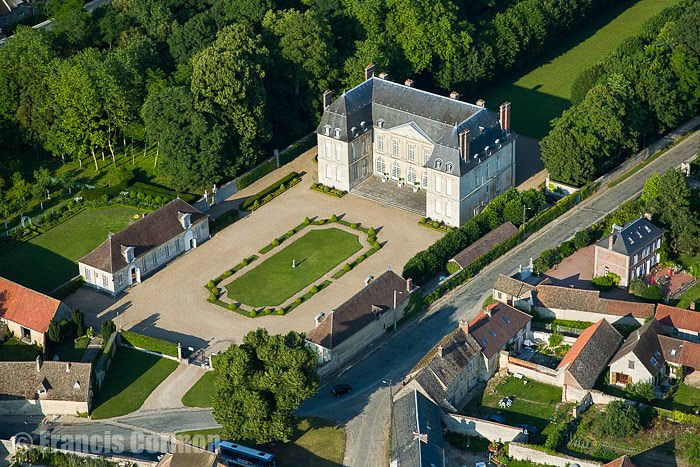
647,216
67,367
439,351
408,82
504,116
327,95
611,241
464,325
481,103
383,75
692,306
38,363
454,95
369,71
464,144
409,284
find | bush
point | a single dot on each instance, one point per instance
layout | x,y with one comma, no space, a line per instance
566,249
252,314
307,221
214,295
354,225
298,301
228,273
268,192
619,420
334,218
648,292
346,267
555,339
211,285
641,391
107,329
371,232
376,245
232,306
606,282
275,242
280,311
313,289
556,437
582,239
244,263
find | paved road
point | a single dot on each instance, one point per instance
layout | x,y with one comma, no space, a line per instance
366,411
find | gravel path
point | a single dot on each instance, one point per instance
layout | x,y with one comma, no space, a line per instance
168,394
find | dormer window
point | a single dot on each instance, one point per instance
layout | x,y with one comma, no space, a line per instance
128,252
481,129
438,164
353,130
487,149
449,167
380,123
337,133
185,219
363,125
327,130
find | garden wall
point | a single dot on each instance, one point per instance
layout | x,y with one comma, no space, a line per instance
530,370
520,451
12,446
492,431
597,397
42,407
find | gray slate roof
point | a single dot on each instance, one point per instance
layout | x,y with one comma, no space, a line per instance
22,381
644,343
589,355
441,371
144,235
512,286
440,118
482,246
413,414
359,310
496,325
635,236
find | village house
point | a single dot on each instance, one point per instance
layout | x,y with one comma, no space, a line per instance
416,432
28,313
434,155
588,358
48,388
355,324
145,246
629,251
513,292
678,322
648,356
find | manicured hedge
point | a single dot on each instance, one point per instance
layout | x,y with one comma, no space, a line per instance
109,191
268,191
561,206
163,192
255,174
132,339
298,149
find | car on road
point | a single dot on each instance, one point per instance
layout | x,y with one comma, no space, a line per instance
340,389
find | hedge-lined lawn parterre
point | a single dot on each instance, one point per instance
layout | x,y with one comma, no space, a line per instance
200,394
58,249
131,378
154,344
274,280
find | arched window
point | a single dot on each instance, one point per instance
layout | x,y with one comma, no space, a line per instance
438,164
395,170
449,166
380,165
411,175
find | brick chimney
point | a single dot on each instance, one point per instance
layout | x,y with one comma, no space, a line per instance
464,325
481,103
383,75
408,82
409,284
67,367
454,95
439,351
647,216
369,71
504,116
327,97
464,144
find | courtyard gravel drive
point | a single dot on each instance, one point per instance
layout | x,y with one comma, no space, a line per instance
171,304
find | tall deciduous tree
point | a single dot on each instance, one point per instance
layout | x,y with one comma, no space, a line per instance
260,383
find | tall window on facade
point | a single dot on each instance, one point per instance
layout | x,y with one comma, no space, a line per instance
364,167
354,152
498,162
448,186
365,146
329,173
380,142
355,172
395,147
167,251
411,175
438,206
337,152
395,170
105,280
412,152
154,259
438,183
476,177
327,152
380,165
426,155
88,275
338,173
425,180
448,206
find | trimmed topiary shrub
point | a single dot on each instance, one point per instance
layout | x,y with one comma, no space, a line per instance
376,245
298,301
275,242
280,311
334,218
232,306
313,289
252,314
371,232
346,267
244,262
211,285
228,273
307,221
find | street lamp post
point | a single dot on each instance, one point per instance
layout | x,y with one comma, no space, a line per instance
524,208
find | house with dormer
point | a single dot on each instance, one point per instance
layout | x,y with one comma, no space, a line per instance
630,251
434,155
144,246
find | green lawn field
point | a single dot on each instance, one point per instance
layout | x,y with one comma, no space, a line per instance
274,280
542,92
14,349
47,261
131,378
200,394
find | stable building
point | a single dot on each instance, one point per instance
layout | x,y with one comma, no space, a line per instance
145,246
433,155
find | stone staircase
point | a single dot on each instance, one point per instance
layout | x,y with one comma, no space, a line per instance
388,193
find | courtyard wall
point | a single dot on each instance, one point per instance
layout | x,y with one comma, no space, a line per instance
493,431
520,451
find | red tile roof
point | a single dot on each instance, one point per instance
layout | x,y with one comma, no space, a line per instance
623,461
26,307
678,317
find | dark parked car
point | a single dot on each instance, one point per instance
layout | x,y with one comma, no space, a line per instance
340,389
495,418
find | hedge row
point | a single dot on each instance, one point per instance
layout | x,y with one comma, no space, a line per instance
559,208
133,339
321,188
260,195
298,149
157,190
255,174
109,191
